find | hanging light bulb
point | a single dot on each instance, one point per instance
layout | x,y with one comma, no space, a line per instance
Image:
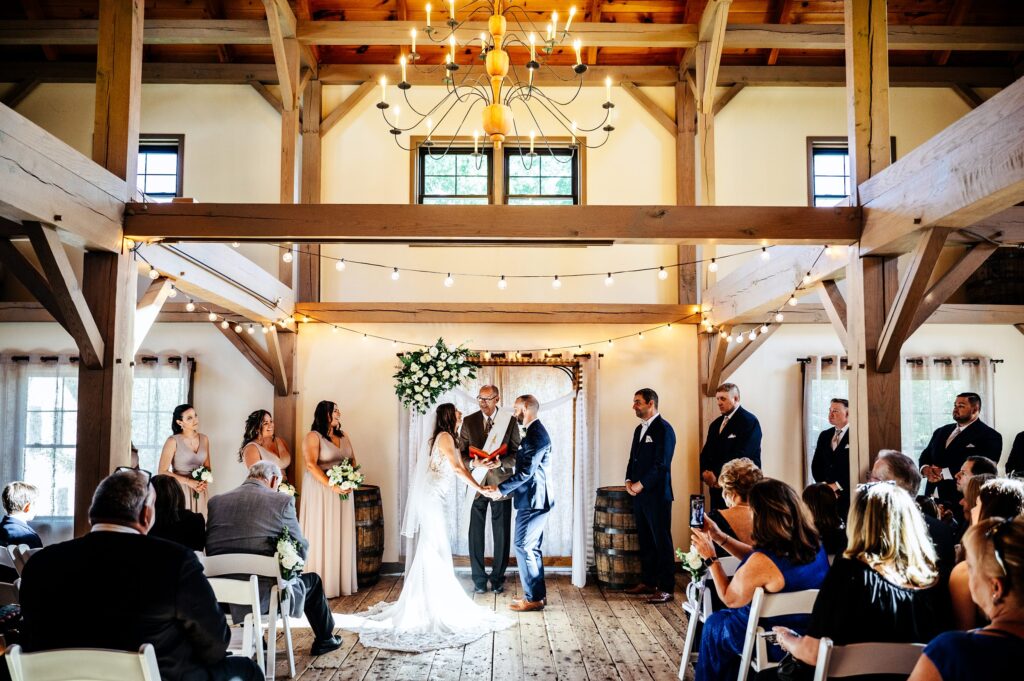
190,306
153,274
765,255
712,266
238,328
739,338
365,338
251,330
448,281
287,256
792,301
609,280
305,319
753,334
235,244
729,338
334,329
212,316
224,324
556,282
610,342
722,333
764,328
640,335
662,274
394,343
394,274
829,252
265,329
340,265
173,293
502,284
807,278
779,316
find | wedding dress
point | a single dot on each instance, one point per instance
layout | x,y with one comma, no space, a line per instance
433,611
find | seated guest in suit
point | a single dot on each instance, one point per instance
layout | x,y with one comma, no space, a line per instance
950,446
786,556
831,461
997,498
733,435
738,477
901,469
1015,463
995,561
823,504
19,500
117,588
174,522
885,588
250,519
973,465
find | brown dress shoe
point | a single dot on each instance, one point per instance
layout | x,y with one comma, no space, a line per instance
522,605
640,590
660,597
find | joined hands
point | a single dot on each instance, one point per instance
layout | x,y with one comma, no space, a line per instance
491,492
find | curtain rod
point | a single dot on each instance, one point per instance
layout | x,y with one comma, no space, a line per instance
910,360
74,358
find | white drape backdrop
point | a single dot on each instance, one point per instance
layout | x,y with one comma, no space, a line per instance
825,377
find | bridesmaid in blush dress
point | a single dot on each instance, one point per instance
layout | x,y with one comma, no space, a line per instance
260,444
328,522
184,451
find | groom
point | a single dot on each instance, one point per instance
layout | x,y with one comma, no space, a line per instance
530,487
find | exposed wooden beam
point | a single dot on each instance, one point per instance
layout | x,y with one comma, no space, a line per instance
67,295
650,106
31,278
399,223
835,307
339,112
867,78
715,361
115,139
267,95
727,96
956,17
784,13
307,261
281,376
710,41
968,172
497,313
257,357
217,273
20,91
745,351
288,156
594,16
281,26
686,189
45,180
148,308
968,95
1019,327
949,313
950,282
835,76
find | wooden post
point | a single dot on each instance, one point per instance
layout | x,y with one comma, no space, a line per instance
287,425
109,279
307,261
686,192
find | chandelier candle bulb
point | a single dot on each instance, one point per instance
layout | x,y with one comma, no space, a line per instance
430,127
572,13
384,89
533,48
451,43
572,131
483,42
533,135
452,12
578,46
551,32
608,89
412,33
428,15
402,61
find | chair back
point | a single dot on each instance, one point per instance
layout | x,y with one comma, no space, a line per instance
83,664
242,564
764,605
835,662
238,592
21,555
7,556
10,593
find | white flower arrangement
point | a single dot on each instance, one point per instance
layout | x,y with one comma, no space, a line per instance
202,474
285,488
288,555
427,374
345,478
692,562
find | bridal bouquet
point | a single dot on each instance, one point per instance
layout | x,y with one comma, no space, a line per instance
345,478
202,474
692,562
427,374
288,555
285,488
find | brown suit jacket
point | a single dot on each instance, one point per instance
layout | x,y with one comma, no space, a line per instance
472,434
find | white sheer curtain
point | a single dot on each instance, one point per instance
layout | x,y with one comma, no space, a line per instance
824,378
586,470
13,397
928,387
161,382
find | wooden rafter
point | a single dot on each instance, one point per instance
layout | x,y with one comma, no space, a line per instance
339,112
950,282
715,361
594,16
17,94
276,356
650,106
148,308
968,95
748,348
785,10
34,10
710,41
727,96
281,24
31,278
250,350
267,95
949,313
956,17
497,313
835,307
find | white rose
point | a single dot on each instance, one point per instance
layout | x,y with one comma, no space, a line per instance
425,380
453,360
419,398
419,374
434,383
424,358
431,371
464,371
694,561
345,486
414,367
433,352
207,476
446,374
444,355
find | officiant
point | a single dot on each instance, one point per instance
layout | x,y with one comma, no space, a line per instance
487,430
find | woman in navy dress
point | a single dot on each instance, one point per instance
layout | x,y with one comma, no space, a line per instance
786,556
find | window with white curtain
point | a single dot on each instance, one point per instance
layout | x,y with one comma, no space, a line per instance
161,384
825,378
51,427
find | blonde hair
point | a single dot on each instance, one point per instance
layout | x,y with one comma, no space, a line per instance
738,477
888,533
1011,540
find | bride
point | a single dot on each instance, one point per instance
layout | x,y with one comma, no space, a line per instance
433,610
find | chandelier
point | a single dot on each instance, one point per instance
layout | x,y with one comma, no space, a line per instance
499,84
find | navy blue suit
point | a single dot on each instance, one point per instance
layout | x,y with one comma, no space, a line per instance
650,464
977,439
13,532
828,465
740,438
532,497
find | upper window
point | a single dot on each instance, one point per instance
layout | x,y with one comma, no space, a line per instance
550,178
455,177
161,158
828,171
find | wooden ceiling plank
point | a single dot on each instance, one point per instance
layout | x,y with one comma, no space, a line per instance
956,17
784,16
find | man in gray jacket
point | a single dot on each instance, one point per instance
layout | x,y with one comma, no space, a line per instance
250,519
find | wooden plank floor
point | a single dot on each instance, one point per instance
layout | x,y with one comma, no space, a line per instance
582,634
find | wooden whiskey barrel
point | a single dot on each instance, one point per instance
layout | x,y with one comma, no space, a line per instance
369,534
616,544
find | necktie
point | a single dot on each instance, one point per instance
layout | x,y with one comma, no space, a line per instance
952,436
836,439
721,428
487,427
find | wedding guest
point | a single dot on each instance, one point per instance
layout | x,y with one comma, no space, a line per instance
733,435
997,498
786,556
737,520
259,443
995,563
974,465
831,461
184,451
1015,462
823,504
328,522
174,522
901,469
19,499
950,446
649,481
250,519
116,588
884,588
478,430
972,492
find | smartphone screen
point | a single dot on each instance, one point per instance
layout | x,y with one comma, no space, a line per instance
696,510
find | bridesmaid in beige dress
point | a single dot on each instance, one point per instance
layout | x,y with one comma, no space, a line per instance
260,444
328,522
186,450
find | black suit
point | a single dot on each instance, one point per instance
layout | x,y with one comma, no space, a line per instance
472,434
977,439
118,591
650,464
740,438
1015,463
14,531
833,466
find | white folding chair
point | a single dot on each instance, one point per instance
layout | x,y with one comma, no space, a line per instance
280,600
10,593
247,636
21,555
764,605
7,556
835,662
83,664
698,606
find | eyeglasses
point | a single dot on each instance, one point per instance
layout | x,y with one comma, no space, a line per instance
995,534
864,486
481,398
129,469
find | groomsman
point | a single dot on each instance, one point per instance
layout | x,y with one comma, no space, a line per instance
952,444
831,461
488,429
733,435
649,481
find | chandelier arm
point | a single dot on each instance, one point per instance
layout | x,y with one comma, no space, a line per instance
451,140
533,27
607,113
459,24
579,89
578,129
